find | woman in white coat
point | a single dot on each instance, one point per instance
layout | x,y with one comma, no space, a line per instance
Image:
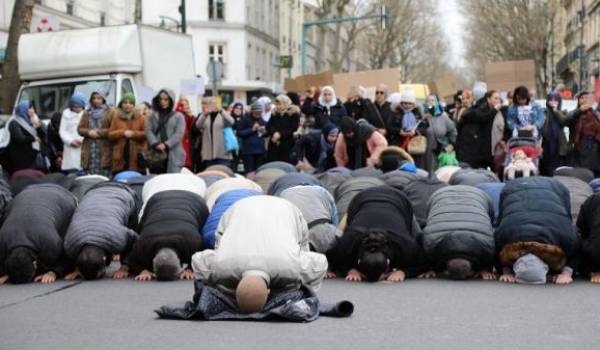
71,139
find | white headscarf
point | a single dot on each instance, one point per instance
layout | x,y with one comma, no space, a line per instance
333,102
266,115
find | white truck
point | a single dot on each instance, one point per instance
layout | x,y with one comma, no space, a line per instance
116,59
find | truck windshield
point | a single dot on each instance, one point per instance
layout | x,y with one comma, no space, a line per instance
53,98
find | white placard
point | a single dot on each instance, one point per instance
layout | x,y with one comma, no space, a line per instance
146,94
191,87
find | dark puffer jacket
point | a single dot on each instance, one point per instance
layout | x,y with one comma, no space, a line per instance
588,225
536,210
171,219
459,225
385,209
105,219
332,115
418,192
38,219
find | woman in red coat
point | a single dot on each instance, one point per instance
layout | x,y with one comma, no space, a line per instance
183,107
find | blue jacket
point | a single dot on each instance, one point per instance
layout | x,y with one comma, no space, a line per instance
252,141
537,117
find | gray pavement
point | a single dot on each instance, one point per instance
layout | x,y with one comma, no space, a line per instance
416,314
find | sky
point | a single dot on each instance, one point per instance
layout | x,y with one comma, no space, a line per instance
453,24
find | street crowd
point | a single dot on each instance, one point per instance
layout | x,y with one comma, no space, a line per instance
262,201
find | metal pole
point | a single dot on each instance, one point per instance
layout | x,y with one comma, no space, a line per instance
291,28
213,67
303,47
183,17
581,46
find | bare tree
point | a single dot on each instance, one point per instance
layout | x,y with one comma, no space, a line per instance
412,40
510,30
19,23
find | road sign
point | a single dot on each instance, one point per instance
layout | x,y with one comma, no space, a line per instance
214,70
286,61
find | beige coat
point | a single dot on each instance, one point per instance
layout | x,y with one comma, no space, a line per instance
213,144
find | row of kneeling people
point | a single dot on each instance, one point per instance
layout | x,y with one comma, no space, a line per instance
177,228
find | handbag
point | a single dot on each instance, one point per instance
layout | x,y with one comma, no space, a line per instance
417,145
230,140
153,160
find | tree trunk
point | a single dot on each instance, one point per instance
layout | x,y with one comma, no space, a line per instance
19,23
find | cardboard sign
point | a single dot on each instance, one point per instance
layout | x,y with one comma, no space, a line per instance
191,87
444,87
507,75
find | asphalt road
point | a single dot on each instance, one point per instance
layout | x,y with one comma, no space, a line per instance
416,314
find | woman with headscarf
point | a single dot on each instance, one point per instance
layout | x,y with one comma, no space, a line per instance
359,107
441,135
54,143
250,130
329,109
165,129
237,113
183,107
94,125
127,134
316,148
281,128
26,132
72,141
406,120
585,133
359,144
211,123
554,140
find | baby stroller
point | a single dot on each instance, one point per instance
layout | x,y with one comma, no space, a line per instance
522,157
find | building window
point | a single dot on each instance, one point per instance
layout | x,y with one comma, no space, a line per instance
102,19
70,5
216,10
217,52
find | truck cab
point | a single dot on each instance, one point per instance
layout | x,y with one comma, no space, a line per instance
52,96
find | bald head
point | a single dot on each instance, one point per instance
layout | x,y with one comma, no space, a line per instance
251,294
166,265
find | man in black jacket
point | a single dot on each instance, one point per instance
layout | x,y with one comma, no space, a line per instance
381,238
31,239
169,236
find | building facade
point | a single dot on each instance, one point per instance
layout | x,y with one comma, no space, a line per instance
579,66
243,36
68,14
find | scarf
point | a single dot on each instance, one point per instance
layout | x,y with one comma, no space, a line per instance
588,125
434,110
163,118
96,115
331,103
409,120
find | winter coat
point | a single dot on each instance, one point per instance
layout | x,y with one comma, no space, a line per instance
137,184
175,129
318,208
38,219
83,183
362,150
554,142
441,132
219,208
214,191
103,143
292,180
170,182
20,183
381,209
317,151
459,225
252,142
535,217
363,108
105,219
264,178
588,226
493,191
419,191
69,123
171,219
583,174
284,166
324,115
394,126
398,178
285,124
472,177
213,141
6,198
22,151
368,171
301,305
274,247
579,191
348,189
331,180
474,140
595,184
536,118
137,142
